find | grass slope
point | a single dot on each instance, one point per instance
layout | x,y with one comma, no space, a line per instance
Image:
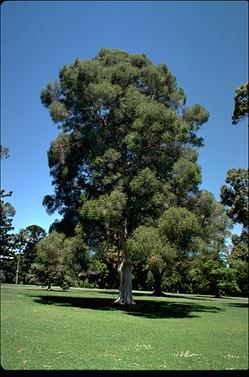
81,329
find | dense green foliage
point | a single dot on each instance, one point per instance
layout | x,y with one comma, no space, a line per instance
59,260
7,255
153,252
25,243
241,103
234,195
81,330
4,152
127,150
7,211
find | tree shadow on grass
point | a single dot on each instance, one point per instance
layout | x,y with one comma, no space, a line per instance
166,295
239,304
143,308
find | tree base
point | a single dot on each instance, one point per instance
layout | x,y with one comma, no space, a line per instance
159,294
120,301
125,289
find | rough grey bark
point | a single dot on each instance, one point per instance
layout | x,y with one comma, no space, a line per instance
125,288
125,277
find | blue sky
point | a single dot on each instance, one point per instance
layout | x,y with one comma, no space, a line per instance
203,43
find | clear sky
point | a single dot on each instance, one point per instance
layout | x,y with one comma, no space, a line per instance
204,44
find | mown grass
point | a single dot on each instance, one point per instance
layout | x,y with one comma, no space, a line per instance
81,329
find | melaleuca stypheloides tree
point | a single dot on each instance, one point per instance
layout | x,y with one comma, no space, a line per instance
126,151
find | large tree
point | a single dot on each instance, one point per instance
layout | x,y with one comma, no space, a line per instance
234,197
126,151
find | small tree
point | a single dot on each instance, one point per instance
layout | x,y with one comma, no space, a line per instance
48,267
7,212
25,243
75,259
59,260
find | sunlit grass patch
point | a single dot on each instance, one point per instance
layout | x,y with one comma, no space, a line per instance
82,330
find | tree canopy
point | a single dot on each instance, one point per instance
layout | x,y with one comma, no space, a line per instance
25,243
127,148
7,212
234,195
59,260
241,103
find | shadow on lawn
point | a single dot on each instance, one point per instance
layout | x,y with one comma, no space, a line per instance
239,304
166,295
143,308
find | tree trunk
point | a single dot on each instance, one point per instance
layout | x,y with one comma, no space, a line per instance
49,288
157,284
125,288
125,278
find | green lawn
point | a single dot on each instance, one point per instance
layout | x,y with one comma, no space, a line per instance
81,329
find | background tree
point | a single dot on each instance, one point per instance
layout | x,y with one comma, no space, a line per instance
106,255
238,261
214,277
4,152
156,253
7,255
25,244
241,103
234,196
214,224
126,135
59,260
48,267
179,227
7,212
